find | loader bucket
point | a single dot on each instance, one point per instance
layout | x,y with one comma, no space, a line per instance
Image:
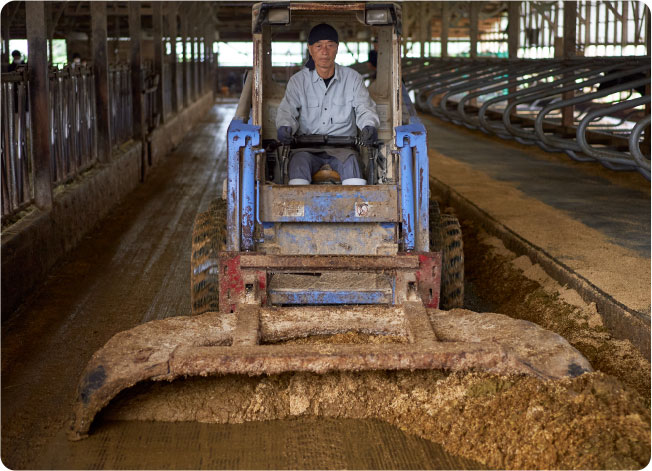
250,342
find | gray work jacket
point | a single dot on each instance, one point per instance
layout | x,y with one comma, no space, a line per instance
308,107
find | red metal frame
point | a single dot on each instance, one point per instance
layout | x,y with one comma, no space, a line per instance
239,269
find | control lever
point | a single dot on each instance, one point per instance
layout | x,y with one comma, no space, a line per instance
281,169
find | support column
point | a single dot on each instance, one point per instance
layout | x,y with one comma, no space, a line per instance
513,33
48,29
445,17
203,68
474,10
570,47
172,22
424,28
137,96
101,70
116,33
570,29
39,102
513,29
204,64
648,46
208,51
201,45
157,24
184,59
407,32
195,50
198,64
6,57
135,62
648,38
212,63
193,64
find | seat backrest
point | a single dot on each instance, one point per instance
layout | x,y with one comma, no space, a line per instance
273,93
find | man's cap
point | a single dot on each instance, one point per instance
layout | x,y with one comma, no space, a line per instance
321,32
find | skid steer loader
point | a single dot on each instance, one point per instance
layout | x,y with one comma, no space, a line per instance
273,262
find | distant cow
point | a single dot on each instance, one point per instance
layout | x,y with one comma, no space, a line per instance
624,80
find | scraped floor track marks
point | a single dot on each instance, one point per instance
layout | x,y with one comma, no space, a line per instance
304,443
134,267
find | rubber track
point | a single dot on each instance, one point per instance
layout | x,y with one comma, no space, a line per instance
452,279
446,236
208,238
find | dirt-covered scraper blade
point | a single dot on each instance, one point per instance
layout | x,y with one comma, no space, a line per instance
251,343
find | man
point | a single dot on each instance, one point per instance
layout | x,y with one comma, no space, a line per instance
327,99
76,60
17,61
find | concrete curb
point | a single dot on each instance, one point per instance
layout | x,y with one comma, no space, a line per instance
621,321
165,138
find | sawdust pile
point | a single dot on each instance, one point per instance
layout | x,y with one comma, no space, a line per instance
599,420
523,290
596,421
588,422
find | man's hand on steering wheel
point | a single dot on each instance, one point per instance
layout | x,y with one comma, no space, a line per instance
284,135
369,135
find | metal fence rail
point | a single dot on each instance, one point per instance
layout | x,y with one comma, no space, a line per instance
179,90
593,109
120,104
166,83
72,122
151,82
17,162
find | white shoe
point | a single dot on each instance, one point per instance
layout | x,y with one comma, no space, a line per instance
354,181
298,181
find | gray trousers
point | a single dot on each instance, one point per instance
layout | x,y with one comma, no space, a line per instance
304,164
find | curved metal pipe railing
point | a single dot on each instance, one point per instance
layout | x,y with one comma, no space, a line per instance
423,97
634,146
588,77
525,99
539,137
529,95
563,143
504,76
513,81
439,71
461,83
609,155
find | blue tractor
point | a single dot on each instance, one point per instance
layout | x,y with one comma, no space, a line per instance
326,244
273,263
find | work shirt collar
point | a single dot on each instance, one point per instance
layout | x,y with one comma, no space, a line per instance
315,76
